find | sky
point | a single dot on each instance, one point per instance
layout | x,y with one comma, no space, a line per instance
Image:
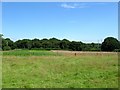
75,21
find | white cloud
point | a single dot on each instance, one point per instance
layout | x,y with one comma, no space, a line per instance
74,5
67,6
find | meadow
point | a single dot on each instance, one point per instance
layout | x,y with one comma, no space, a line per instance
59,69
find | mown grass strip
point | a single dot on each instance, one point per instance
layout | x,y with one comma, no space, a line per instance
28,53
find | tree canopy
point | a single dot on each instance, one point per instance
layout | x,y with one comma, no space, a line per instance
109,44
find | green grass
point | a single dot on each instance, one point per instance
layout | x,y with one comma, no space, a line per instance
45,69
29,53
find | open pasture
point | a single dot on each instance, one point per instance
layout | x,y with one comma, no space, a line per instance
59,69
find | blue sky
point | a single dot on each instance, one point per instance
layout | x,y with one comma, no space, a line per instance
85,21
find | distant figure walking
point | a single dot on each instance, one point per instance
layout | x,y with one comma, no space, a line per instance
75,54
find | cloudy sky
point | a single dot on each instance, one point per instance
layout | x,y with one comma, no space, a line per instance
87,22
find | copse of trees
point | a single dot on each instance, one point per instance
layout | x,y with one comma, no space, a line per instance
109,44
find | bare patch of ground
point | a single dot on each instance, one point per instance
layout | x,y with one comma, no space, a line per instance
84,52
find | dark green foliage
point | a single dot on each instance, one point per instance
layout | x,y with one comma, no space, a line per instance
117,50
6,48
23,44
110,44
6,44
91,47
75,46
35,43
9,43
1,41
64,44
54,43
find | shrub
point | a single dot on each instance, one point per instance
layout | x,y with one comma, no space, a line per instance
6,48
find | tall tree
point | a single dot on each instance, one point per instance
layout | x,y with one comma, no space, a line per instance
10,43
110,44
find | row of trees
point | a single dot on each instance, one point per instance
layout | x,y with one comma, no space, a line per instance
109,44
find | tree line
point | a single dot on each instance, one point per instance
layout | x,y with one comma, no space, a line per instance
109,44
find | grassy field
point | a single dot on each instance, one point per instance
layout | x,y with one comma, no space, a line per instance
56,69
